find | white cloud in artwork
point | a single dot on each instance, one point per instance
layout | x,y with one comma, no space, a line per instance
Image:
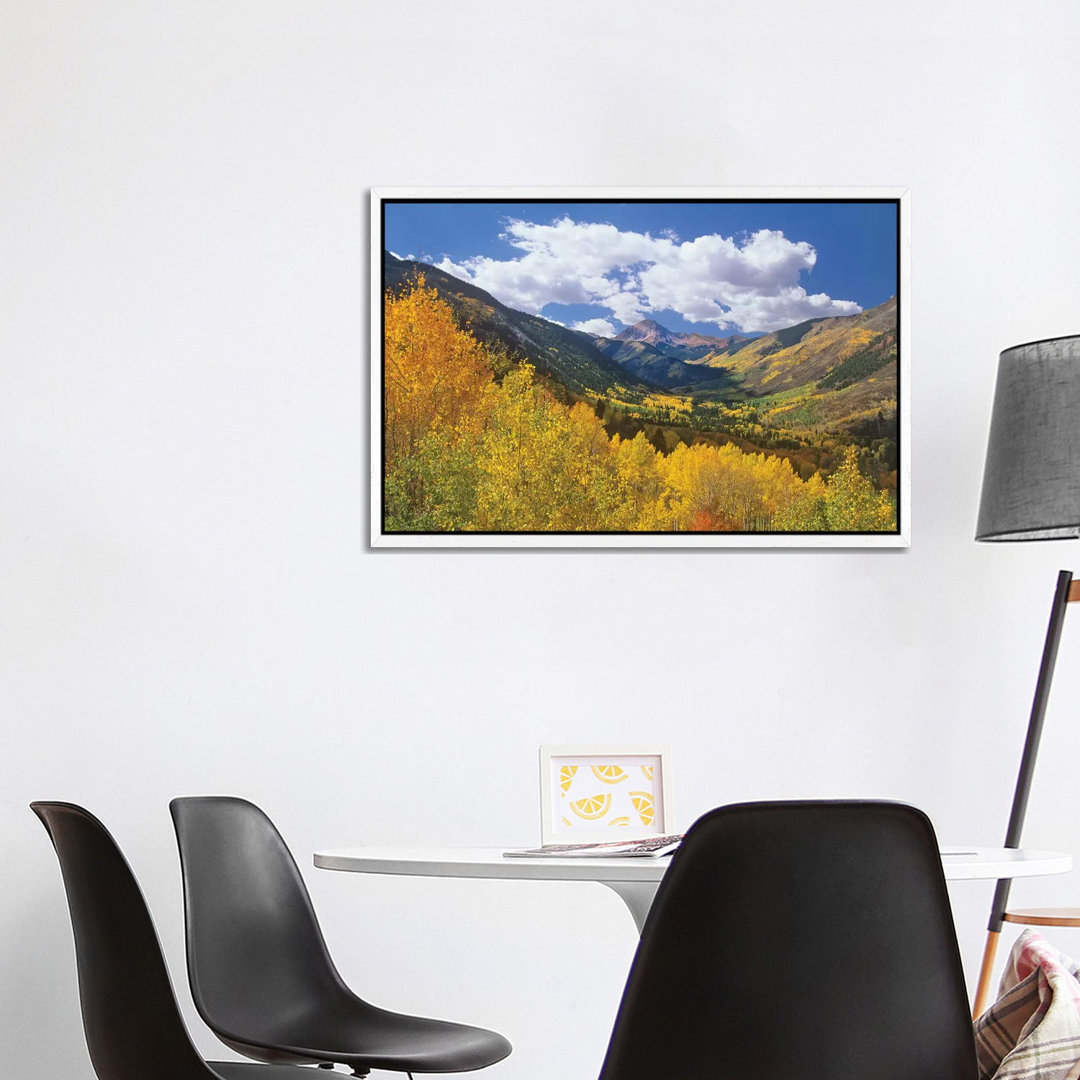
751,284
600,327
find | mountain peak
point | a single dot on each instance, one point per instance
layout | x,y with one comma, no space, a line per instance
649,331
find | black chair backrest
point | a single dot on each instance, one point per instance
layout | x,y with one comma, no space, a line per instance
255,951
132,1022
798,941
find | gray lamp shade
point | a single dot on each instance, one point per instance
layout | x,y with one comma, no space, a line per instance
1031,483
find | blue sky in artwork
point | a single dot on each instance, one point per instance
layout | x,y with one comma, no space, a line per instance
715,267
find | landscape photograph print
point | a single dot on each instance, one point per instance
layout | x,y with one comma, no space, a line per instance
646,370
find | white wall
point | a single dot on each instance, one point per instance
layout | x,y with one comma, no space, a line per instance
186,602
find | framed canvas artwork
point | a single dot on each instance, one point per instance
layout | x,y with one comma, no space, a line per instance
639,368
596,793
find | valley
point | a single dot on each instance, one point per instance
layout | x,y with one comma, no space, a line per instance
807,393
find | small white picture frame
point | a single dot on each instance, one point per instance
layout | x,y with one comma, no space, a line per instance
590,794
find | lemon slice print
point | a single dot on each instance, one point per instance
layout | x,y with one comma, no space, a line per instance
624,820
566,777
592,807
646,771
643,804
609,774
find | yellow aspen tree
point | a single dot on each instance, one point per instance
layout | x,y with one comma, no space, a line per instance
640,482
436,375
805,512
852,503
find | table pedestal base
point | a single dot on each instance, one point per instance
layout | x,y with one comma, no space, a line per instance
637,896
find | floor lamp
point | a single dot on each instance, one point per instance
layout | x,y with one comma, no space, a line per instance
1031,491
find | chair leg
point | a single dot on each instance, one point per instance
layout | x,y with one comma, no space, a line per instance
982,992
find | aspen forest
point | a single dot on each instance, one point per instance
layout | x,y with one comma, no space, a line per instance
475,441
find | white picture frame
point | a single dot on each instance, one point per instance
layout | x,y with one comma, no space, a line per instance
385,534
590,794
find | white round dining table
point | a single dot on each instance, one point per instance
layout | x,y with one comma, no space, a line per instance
636,879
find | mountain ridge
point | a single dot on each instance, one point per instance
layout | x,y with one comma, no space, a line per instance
668,358
555,350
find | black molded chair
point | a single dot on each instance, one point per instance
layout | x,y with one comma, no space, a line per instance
798,941
133,1026
259,969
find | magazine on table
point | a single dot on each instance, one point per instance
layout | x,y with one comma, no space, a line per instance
649,847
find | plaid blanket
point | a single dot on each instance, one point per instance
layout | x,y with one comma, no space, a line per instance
1032,1031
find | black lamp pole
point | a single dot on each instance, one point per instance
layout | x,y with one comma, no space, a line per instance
1023,779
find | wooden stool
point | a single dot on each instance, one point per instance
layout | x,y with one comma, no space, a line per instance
1046,916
